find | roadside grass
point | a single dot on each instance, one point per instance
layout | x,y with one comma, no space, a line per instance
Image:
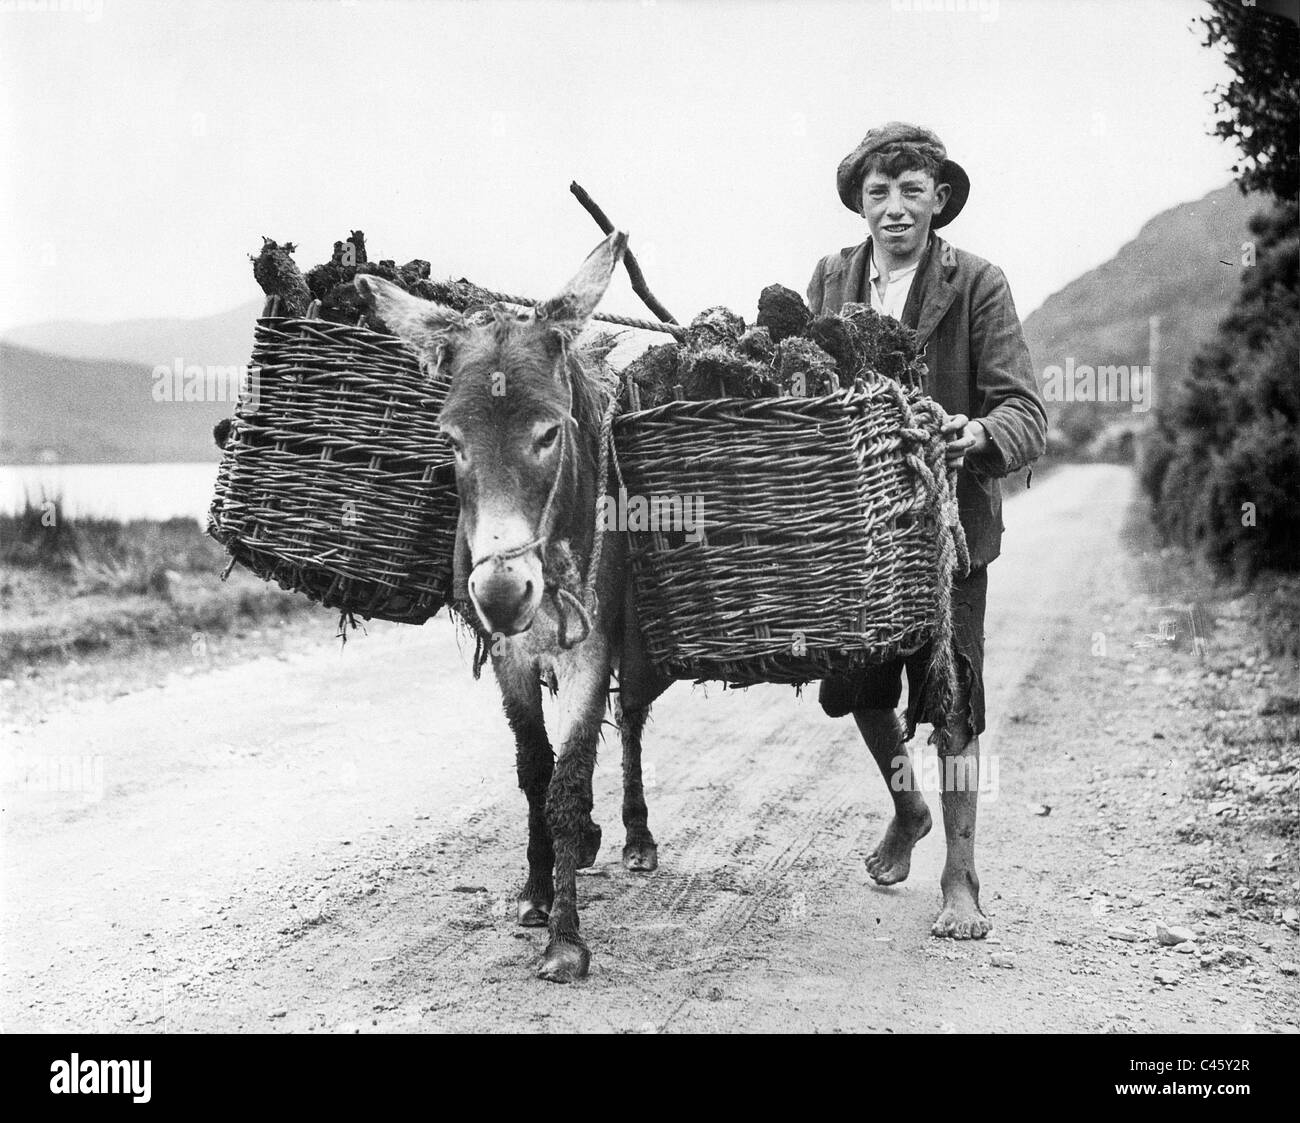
1242,683
43,536
1278,613
72,586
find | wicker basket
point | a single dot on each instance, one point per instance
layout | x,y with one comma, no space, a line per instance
335,481
823,532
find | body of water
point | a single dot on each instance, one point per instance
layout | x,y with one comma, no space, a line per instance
120,491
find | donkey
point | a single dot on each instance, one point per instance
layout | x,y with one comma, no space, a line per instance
524,417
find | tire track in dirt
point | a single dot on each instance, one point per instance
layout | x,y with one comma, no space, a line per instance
723,847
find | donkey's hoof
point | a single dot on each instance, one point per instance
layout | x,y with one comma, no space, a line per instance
533,914
589,848
564,962
640,857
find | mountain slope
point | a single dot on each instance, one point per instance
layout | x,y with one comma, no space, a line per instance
220,339
80,411
1175,269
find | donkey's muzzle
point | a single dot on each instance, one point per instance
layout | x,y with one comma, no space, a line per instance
505,595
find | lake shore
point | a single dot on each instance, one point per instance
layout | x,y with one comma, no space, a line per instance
76,593
146,490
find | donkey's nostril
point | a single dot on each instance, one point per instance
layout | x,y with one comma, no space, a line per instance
504,601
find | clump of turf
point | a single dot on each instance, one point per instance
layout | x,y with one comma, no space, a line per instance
757,344
655,372
782,311
788,352
330,282
833,336
882,344
275,270
717,372
715,327
804,369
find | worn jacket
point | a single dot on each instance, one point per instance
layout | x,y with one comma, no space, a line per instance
979,365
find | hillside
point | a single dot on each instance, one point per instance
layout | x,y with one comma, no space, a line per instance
81,411
220,339
1174,269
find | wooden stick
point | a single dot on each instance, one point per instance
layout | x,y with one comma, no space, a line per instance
629,259
633,393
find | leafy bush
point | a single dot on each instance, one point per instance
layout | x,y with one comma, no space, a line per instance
1260,107
1223,464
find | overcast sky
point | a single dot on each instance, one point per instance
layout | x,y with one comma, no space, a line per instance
147,146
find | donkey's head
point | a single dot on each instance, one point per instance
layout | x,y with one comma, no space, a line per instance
521,417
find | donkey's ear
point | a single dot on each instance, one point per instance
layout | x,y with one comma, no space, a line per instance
569,310
422,323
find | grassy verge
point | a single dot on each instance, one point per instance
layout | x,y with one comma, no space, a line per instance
72,587
1234,648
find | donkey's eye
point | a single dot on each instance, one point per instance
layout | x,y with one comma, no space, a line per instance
548,438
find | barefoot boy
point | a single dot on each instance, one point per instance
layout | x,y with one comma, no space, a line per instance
901,181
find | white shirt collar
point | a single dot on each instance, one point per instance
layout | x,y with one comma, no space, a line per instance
893,277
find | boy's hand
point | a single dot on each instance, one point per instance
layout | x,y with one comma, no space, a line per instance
963,435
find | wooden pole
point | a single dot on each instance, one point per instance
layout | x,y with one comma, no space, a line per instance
629,259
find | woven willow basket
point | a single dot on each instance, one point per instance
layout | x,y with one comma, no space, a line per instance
823,521
335,480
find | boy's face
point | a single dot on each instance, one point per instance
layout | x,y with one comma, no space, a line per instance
899,210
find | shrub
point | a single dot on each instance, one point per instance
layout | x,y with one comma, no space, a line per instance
1222,465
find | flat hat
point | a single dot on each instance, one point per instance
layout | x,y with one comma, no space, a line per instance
848,178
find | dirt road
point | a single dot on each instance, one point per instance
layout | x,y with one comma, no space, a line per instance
333,841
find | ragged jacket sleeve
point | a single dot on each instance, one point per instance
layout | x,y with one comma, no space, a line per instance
1011,408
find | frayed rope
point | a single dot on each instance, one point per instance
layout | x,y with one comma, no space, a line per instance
927,459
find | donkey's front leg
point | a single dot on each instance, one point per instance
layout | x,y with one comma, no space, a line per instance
521,695
584,685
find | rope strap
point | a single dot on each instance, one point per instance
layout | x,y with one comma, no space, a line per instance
675,330
585,608
939,482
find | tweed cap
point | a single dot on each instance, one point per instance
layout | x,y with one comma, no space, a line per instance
848,178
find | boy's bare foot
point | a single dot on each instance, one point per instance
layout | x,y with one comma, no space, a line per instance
961,918
891,861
